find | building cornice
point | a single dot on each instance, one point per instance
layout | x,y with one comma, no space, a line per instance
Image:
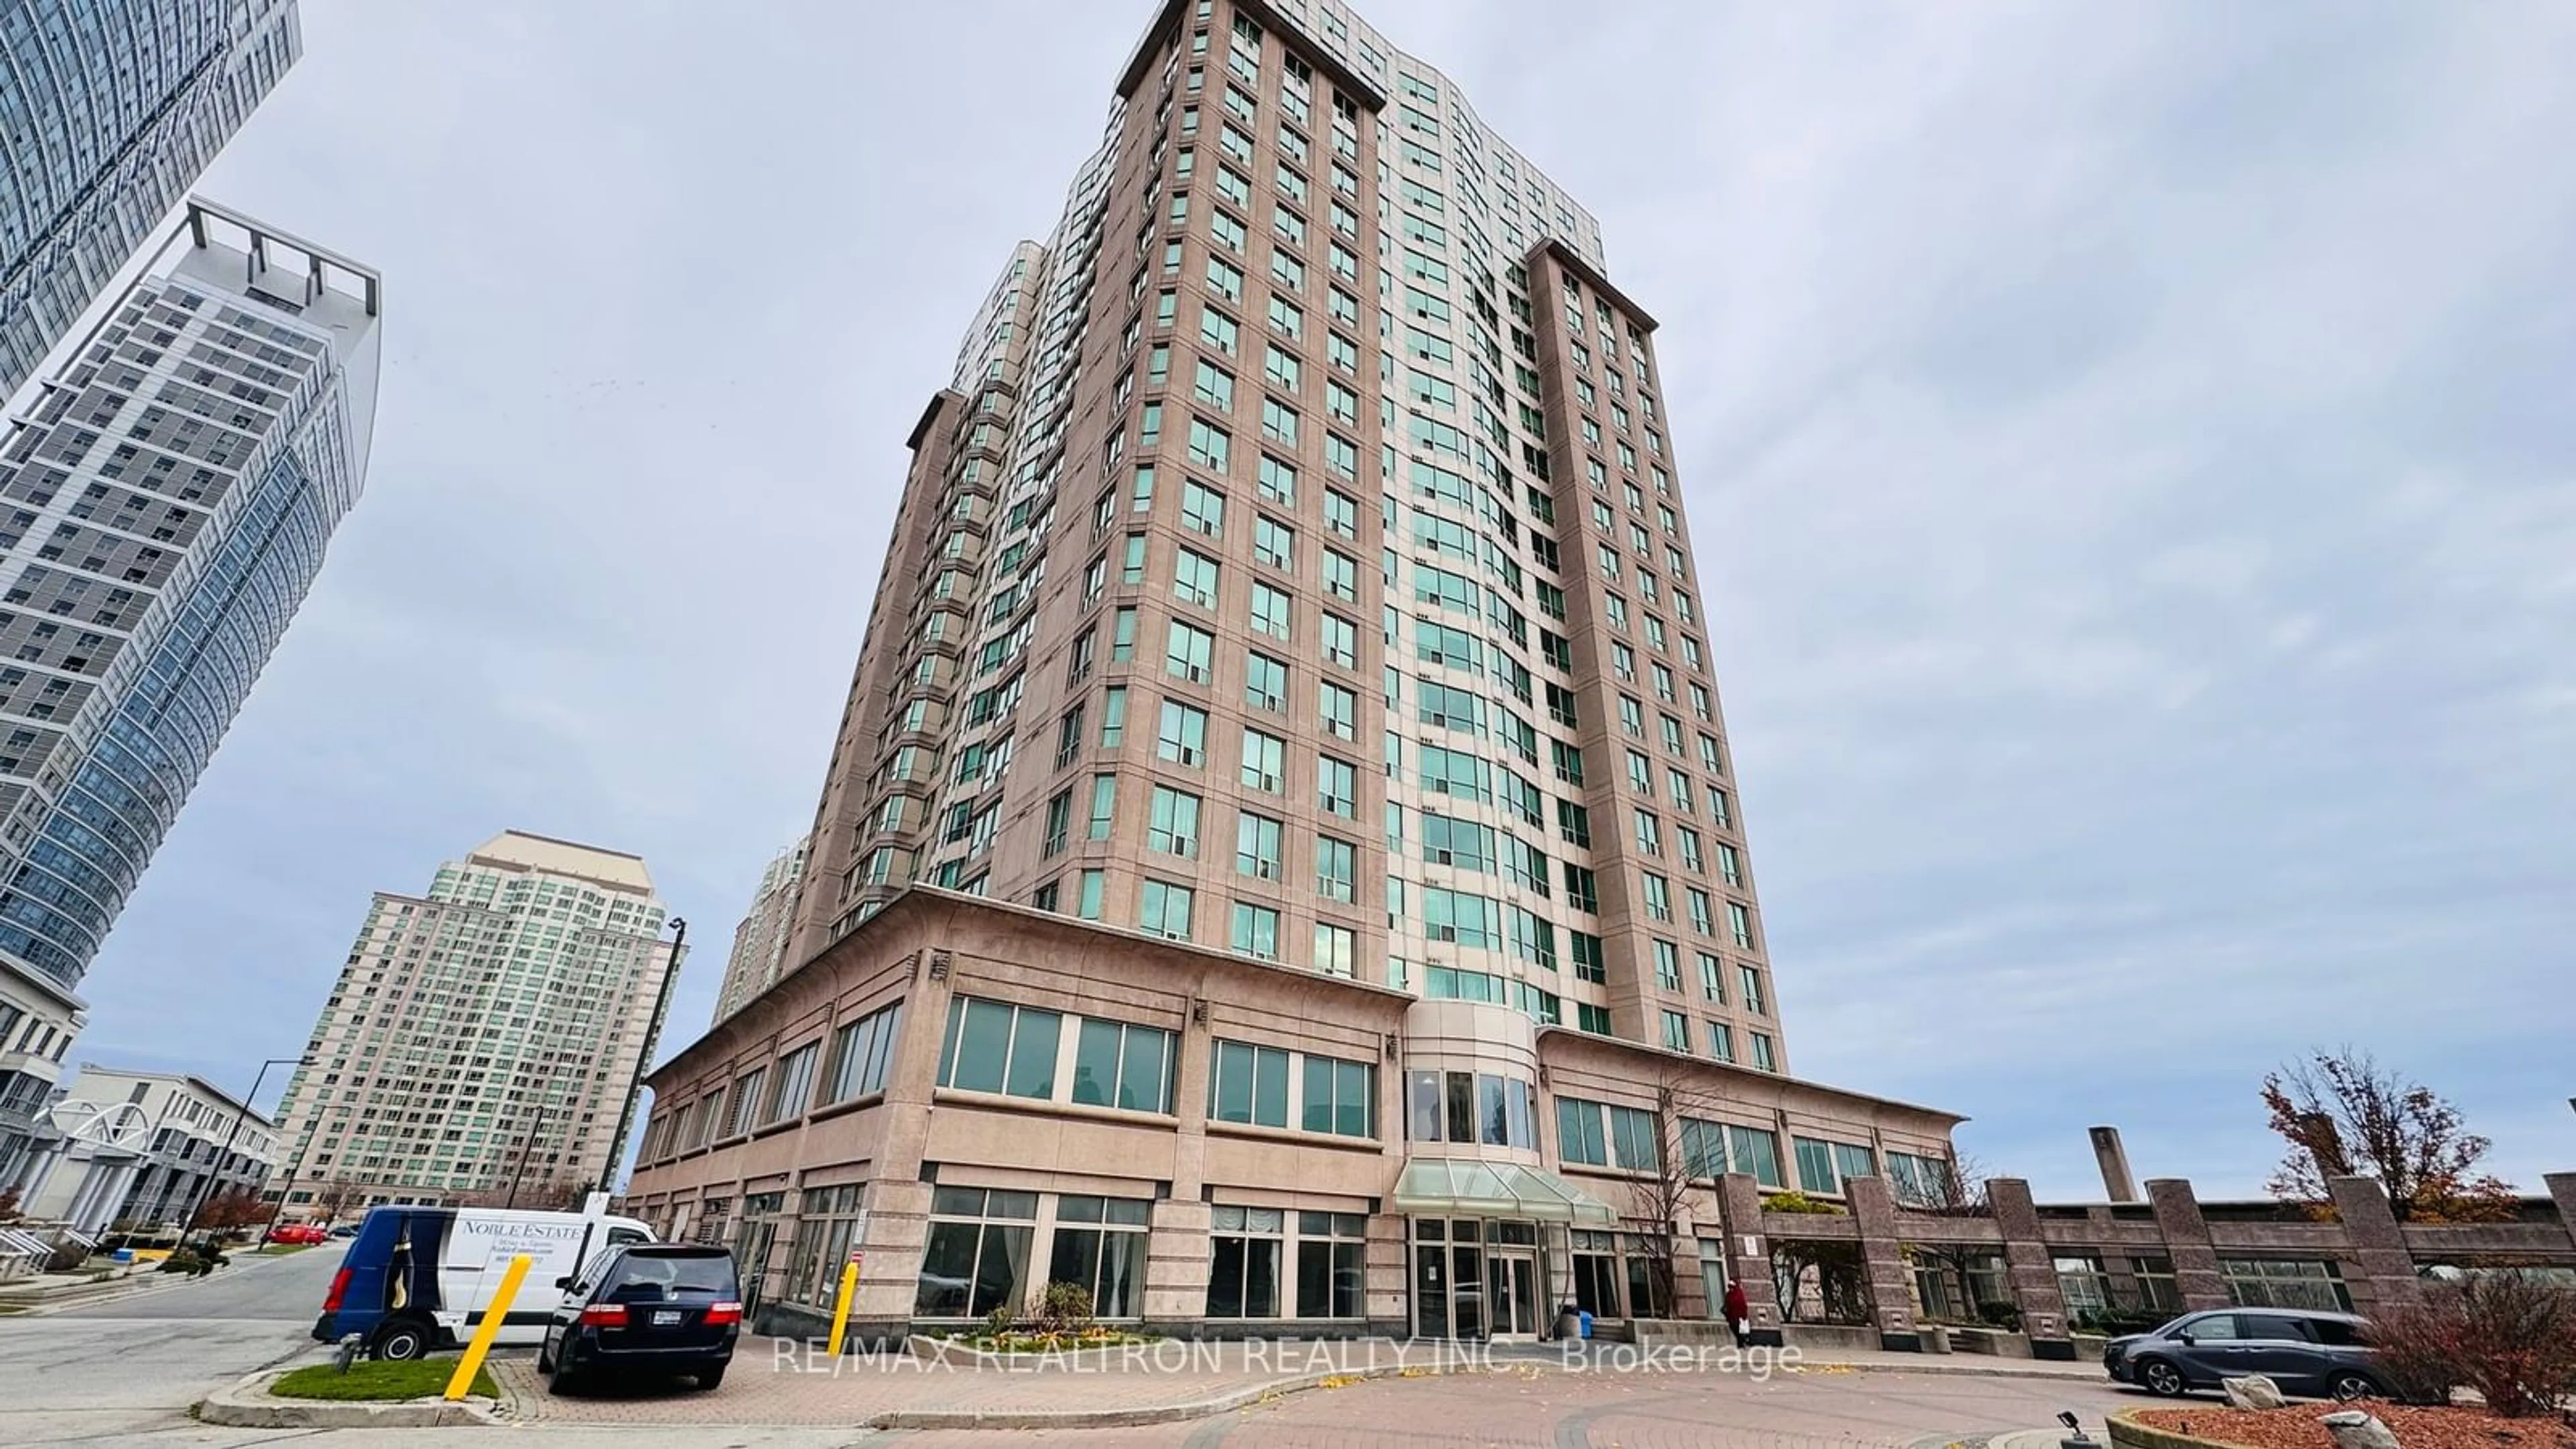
943,398
1573,262
930,908
1664,1058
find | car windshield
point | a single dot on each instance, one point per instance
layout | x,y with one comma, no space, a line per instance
644,1276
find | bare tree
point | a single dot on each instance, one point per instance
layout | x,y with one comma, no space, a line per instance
331,1199
1661,1200
1956,1190
556,1194
1841,1279
2509,1333
2344,1115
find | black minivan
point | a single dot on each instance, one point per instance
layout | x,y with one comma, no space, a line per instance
659,1308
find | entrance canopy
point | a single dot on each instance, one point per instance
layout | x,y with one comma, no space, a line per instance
1465,1187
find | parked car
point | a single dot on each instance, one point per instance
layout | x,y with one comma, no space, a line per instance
419,1278
306,1234
345,1231
2307,1353
662,1308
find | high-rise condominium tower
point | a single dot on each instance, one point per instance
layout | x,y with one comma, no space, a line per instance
482,1038
109,111
760,941
1281,857
164,506
1298,564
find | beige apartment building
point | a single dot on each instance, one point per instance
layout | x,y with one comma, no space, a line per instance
482,1039
1281,862
760,939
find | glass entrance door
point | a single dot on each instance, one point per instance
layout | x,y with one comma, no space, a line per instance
1467,1277
1512,1293
751,1260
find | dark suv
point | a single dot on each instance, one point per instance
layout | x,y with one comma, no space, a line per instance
663,1308
2311,1354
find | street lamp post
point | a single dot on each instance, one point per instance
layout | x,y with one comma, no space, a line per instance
288,1184
644,1057
527,1146
216,1175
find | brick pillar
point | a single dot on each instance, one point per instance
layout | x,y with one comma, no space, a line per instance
2186,1235
2031,1269
2377,1244
1891,1296
2562,1191
1748,1255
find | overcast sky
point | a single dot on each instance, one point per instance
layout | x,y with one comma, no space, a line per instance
2130,449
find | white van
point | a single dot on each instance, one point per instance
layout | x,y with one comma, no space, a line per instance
421,1278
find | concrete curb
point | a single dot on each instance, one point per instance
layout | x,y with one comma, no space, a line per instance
1149,1413
249,1405
2127,1433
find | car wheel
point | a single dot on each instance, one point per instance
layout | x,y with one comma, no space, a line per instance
710,1378
2348,1385
402,1340
560,1381
2161,1378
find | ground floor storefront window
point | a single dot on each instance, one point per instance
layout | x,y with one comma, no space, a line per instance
1596,1274
711,1219
1950,1284
1099,1243
823,1231
753,1239
977,1259
1650,1276
2285,1283
2082,1283
2157,1289
1245,1246
1330,1258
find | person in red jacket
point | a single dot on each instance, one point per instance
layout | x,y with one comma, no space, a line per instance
1738,1312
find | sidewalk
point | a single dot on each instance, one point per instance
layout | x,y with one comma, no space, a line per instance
79,1285
137,1280
775,1382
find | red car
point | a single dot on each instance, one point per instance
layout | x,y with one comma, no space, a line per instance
305,1233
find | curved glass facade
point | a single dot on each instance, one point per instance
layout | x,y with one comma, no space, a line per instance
109,109
92,849
175,492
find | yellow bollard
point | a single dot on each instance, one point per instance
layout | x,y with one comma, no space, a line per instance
489,1329
841,1310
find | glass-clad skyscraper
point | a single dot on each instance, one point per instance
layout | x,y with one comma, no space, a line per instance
109,111
164,507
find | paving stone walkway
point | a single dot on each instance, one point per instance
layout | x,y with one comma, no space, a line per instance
1173,1385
